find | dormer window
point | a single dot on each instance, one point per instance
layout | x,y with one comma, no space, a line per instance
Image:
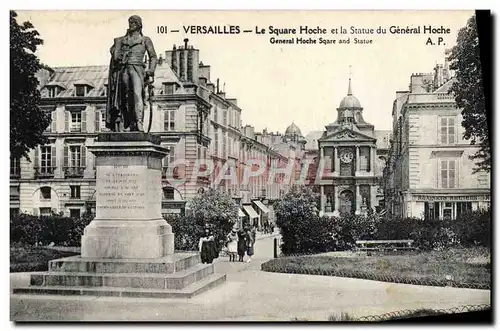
169,88
80,91
82,88
53,91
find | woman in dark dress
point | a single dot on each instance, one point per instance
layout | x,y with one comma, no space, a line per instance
207,248
241,245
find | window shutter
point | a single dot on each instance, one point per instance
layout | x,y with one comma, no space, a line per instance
54,121
84,121
83,159
97,121
36,158
66,156
67,118
53,157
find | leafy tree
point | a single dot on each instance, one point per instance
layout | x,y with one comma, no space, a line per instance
298,220
27,121
469,94
215,210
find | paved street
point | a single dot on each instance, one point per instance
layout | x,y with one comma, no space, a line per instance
251,294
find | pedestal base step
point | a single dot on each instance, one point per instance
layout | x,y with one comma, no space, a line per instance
177,280
164,265
195,288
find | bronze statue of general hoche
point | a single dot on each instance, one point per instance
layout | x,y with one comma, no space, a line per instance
128,79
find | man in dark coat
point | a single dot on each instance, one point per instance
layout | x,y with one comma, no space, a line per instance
127,78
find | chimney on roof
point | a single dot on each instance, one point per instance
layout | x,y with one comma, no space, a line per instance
186,43
217,87
160,60
172,59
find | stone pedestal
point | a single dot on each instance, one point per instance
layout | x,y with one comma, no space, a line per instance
128,222
128,249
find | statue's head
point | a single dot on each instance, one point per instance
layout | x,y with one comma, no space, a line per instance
135,23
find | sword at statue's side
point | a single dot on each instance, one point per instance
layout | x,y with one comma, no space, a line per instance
150,88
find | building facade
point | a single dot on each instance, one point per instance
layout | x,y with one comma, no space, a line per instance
429,173
349,162
189,111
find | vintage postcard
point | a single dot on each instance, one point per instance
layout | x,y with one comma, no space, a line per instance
250,165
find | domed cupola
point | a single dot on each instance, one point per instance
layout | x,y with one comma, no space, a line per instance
350,110
350,101
293,130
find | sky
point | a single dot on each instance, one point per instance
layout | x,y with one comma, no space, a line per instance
274,84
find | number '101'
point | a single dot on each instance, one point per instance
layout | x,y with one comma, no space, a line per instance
161,29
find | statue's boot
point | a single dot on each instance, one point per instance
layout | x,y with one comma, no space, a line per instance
140,127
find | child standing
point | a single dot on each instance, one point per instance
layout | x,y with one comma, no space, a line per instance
232,245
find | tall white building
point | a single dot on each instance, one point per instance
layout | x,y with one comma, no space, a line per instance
430,173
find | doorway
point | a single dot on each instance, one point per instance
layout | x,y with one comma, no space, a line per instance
347,203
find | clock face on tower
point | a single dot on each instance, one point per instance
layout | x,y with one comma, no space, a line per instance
346,157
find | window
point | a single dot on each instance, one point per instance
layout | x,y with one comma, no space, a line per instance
169,88
329,158
46,159
447,130
169,123
15,169
75,156
224,146
15,193
45,193
215,114
75,191
224,117
80,90
216,142
74,213
463,207
364,158
49,127
98,121
168,193
52,91
448,172
76,122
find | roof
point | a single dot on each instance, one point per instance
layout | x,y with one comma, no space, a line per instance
350,101
446,86
250,211
97,77
312,139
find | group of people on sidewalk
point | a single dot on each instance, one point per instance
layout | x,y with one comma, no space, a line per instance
240,242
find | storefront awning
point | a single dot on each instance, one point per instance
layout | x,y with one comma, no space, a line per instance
241,213
261,206
250,212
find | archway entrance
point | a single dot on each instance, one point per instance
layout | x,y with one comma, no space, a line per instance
347,202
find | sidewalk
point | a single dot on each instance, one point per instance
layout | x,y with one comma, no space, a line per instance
251,294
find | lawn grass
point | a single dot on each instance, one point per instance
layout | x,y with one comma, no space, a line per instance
30,258
465,266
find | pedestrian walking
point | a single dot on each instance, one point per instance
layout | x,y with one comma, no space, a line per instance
208,252
232,245
250,236
241,245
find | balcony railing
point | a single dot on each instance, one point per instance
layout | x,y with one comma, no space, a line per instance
44,172
75,129
14,197
73,172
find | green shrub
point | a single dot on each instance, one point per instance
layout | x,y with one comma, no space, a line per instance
44,230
